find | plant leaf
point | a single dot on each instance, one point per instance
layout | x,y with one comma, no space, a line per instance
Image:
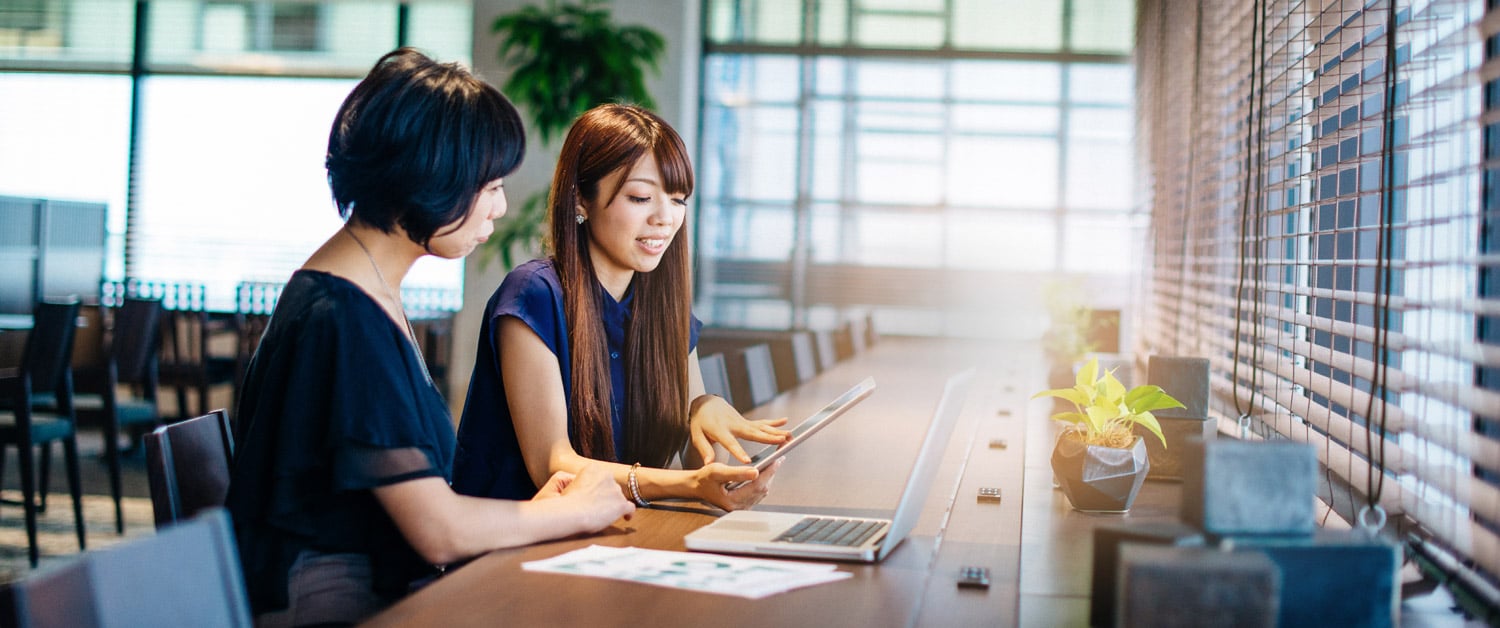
1089,373
1149,421
1067,394
1070,417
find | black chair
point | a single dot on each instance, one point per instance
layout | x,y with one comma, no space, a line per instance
38,409
187,465
128,361
188,575
828,355
752,378
715,378
762,370
187,360
254,301
793,353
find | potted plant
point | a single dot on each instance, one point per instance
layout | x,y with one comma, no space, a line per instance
1099,460
565,59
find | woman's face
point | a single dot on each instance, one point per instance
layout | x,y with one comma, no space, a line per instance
460,239
629,232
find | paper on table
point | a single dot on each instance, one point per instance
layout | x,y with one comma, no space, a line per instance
711,573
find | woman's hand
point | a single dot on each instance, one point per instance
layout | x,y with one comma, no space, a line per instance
713,478
554,486
595,494
715,421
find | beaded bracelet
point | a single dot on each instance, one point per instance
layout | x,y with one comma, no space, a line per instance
635,489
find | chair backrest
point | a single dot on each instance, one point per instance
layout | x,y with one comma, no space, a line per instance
187,575
49,345
762,371
715,378
827,354
133,345
187,465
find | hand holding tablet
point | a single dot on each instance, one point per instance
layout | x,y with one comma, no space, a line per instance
765,457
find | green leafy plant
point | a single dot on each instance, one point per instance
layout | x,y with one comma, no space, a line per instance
566,58
1105,412
1073,327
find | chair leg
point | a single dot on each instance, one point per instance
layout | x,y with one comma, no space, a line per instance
70,455
46,475
112,456
28,503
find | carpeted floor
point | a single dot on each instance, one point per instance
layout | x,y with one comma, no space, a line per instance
55,533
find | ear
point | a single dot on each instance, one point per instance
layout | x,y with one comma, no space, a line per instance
581,211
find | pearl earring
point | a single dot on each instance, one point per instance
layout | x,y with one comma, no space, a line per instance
580,218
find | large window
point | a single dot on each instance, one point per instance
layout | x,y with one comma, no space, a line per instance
233,104
1323,230
935,162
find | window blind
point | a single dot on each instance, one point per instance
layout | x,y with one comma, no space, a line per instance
1320,178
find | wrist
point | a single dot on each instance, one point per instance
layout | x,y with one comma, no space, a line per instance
698,402
633,486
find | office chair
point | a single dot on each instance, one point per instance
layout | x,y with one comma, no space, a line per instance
186,575
36,408
129,360
187,465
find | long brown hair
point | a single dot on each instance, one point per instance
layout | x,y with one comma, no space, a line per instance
605,140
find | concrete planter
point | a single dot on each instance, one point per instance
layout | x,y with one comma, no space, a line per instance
1099,479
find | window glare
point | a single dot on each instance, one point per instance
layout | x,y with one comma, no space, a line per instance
962,156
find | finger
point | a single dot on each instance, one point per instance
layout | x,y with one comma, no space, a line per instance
704,447
734,449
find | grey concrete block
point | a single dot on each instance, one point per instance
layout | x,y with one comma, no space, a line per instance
1186,380
1108,539
1235,487
1167,587
1333,578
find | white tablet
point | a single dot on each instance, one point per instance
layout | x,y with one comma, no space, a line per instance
836,408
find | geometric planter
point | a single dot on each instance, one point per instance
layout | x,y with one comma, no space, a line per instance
1099,479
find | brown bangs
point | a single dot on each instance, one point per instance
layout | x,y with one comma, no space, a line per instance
672,161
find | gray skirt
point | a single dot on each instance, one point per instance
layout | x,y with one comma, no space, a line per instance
326,589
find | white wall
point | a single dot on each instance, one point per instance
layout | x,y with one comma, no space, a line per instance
676,91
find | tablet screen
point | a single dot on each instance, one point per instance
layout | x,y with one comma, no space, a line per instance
763,458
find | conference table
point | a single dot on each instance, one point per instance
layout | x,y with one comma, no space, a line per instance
857,466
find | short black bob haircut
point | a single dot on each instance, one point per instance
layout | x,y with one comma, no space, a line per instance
416,141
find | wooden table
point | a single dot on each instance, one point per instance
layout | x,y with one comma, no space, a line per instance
857,466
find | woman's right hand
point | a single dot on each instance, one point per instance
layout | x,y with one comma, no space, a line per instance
595,493
712,478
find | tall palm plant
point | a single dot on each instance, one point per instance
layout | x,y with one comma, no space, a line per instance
566,58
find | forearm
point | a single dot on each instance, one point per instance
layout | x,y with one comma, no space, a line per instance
654,484
443,526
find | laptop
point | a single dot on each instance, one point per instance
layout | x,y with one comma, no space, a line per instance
799,535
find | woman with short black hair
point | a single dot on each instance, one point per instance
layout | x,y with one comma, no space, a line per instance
340,491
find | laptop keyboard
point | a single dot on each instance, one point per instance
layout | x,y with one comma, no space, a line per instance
831,531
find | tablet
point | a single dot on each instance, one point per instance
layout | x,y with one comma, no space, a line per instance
836,408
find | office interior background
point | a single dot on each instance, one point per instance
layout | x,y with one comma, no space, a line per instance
1243,181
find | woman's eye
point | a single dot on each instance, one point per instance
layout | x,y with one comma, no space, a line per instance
638,199
680,201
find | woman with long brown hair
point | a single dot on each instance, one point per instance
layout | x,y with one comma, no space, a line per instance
590,354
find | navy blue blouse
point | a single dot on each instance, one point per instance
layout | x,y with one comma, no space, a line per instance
336,402
489,461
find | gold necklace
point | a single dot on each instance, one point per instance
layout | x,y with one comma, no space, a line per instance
390,293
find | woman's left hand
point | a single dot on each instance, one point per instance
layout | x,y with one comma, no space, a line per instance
715,421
